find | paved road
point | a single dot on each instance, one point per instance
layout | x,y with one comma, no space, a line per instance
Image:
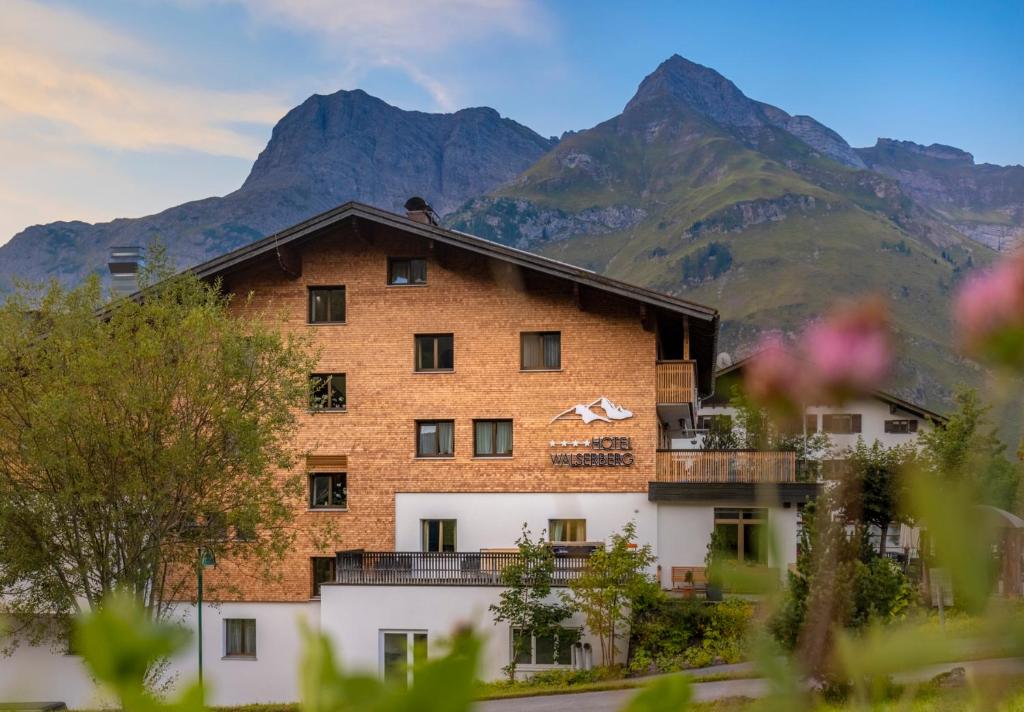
613,700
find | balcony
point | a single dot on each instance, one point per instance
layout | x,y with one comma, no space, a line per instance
449,568
725,466
676,382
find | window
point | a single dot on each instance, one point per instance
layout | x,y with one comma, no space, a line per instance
553,649
739,534
717,423
327,391
901,426
541,350
324,571
439,534
326,305
240,637
567,529
407,271
811,422
492,438
840,423
328,490
435,438
796,426
400,652
435,352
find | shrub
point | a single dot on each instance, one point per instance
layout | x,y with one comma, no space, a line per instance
675,634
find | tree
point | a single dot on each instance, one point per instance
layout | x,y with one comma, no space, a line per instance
614,579
524,602
876,491
135,437
968,450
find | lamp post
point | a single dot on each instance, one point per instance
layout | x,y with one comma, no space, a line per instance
204,559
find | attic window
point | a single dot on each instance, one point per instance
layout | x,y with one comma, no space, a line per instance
406,272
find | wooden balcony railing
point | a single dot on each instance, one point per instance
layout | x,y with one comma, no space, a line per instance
676,382
449,568
723,466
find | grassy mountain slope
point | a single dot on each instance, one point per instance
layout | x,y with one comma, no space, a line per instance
745,216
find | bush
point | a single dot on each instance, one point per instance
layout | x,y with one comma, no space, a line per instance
675,634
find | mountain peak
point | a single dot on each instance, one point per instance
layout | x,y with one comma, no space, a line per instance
702,89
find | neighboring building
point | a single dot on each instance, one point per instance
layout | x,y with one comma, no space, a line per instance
882,417
465,388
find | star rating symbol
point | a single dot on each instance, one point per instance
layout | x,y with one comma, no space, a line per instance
575,443
552,443
565,443
586,443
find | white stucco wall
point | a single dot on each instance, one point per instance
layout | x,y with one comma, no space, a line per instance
873,413
495,520
684,531
39,673
438,610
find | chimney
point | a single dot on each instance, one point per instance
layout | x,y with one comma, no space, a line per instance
124,265
419,210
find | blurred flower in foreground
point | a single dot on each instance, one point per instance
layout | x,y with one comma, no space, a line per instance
989,311
846,354
774,376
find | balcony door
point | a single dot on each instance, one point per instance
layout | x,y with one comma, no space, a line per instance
400,652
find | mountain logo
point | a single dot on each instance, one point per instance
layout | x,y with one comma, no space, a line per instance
587,413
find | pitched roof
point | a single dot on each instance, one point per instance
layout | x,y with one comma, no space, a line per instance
884,396
707,318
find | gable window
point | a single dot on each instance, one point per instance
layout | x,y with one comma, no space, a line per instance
541,350
324,570
240,637
435,352
739,534
327,391
435,438
901,426
407,271
326,305
400,652
552,649
439,534
563,530
840,423
328,490
492,438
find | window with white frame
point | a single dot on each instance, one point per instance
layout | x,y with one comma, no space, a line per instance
562,530
400,652
554,649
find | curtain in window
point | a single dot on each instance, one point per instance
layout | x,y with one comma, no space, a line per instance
532,351
428,439
552,350
418,271
484,437
558,530
503,438
445,438
241,636
400,272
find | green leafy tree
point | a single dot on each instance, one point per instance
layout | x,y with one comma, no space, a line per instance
614,579
876,492
525,601
968,451
133,435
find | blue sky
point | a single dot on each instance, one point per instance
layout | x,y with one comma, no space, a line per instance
114,108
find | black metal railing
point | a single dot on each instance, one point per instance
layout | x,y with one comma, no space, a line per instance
449,568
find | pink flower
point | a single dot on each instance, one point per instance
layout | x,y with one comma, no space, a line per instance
989,311
773,376
850,352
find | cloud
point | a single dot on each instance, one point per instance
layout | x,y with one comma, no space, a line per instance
407,35
90,84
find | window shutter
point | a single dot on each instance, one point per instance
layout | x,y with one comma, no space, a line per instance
856,423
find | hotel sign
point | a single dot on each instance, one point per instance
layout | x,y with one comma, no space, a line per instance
594,451
604,451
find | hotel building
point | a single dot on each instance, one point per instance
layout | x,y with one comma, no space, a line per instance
464,388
